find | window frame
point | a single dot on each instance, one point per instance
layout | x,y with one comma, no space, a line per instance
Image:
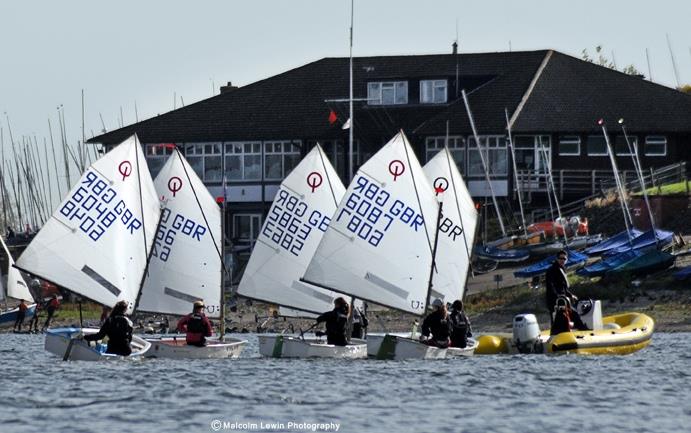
572,139
294,151
587,150
255,149
663,140
379,100
433,83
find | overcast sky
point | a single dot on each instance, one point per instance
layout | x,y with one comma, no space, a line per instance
148,51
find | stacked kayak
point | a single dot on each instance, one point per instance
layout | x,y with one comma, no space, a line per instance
574,260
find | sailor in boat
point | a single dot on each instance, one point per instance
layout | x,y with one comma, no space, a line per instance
21,313
336,323
196,326
360,323
53,305
565,317
118,328
556,284
436,324
459,325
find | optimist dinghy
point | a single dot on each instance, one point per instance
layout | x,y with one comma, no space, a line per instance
299,215
185,264
13,285
97,241
64,342
613,335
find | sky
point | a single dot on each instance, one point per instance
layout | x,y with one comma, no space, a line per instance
135,59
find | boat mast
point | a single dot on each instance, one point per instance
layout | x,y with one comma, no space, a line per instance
633,150
430,282
515,172
617,181
484,164
550,180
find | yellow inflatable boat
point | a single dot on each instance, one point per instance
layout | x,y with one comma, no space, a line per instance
617,335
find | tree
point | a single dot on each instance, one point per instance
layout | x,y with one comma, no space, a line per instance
603,60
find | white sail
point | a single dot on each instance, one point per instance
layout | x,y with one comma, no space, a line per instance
456,227
296,222
15,283
97,241
378,246
185,262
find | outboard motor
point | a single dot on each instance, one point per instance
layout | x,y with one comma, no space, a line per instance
526,333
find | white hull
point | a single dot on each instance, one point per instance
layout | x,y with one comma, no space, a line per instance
457,352
290,346
174,347
400,347
58,339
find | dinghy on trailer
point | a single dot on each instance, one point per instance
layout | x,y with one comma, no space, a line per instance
299,215
186,262
97,241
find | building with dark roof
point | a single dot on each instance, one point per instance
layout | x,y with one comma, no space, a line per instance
258,132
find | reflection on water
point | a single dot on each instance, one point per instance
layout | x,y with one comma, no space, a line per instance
646,391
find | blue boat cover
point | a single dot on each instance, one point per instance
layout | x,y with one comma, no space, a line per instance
608,263
683,274
614,242
646,240
574,259
499,255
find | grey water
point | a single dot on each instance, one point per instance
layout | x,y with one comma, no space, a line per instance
649,391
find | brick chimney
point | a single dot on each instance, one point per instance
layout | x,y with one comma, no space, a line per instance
228,87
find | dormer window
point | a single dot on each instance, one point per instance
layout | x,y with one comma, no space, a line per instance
433,91
387,93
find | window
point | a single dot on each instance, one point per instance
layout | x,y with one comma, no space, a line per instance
433,91
244,160
527,151
279,158
655,145
194,153
156,156
387,93
246,227
570,145
621,147
496,156
456,146
213,162
596,145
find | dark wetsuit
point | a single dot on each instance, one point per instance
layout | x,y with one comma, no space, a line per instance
460,329
438,325
118,328
336,326
556,285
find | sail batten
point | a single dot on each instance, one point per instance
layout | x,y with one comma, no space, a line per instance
456,227
96,242
377,246
299,215
185,264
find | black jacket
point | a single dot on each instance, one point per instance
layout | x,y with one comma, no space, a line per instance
555,285
119,331
459,327
336,326
437,325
